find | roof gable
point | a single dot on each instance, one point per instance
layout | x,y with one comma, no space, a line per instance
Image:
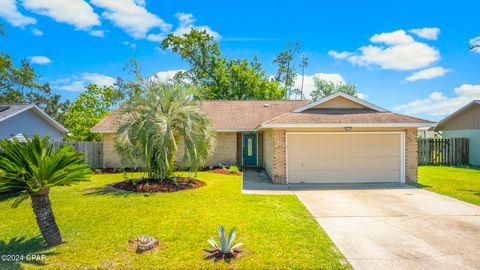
475,104
11,110
340,100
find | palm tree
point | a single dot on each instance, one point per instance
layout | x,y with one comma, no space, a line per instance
155,123
31,168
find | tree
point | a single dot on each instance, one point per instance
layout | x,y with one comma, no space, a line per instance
323,88
31,168
303,65
87,110
21,85
217,76
156,122
286,73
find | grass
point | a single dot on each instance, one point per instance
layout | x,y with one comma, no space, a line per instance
97,221
460,183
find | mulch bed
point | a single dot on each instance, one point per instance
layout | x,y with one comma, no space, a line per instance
150,186
222,171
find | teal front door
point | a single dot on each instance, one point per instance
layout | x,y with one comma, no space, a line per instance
249,149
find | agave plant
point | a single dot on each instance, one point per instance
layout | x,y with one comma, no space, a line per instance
225,248
31,168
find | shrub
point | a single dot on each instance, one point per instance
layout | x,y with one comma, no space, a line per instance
234,169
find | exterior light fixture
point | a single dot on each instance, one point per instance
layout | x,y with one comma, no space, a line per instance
348,128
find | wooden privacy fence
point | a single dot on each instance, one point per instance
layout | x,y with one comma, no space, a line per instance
446,152
93,152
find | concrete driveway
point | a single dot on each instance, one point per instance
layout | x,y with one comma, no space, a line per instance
396,226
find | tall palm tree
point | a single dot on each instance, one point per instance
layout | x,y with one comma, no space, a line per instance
155,124
31,168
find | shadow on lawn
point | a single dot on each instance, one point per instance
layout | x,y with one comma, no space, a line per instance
18,250
475,192
419,185
109,190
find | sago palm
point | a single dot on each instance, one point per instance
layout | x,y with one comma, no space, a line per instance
31,168
156,123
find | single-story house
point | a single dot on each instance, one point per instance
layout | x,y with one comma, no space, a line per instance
337,139
428,133
29,119
464,123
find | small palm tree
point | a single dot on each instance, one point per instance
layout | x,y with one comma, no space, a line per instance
31,168
155,123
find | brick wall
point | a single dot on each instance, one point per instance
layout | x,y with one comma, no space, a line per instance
274,155
411,155
225,150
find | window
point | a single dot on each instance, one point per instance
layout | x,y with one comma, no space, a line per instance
249,147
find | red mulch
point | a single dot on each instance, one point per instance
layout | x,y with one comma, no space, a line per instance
150,186
222,171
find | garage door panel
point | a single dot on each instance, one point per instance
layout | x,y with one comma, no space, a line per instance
353,163
340,158
350,150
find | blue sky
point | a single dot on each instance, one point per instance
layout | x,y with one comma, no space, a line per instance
410,56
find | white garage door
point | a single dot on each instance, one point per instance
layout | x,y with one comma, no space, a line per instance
344,157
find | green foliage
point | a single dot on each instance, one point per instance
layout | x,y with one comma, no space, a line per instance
324,88
95,213
286,72
21,85
156,121
233,169
226,243
217,76
30,166
87,110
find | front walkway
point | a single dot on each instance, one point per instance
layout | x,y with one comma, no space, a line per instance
257,182
389,226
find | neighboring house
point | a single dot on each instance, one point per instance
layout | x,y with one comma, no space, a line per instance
428,133
464,123
337,139
18,119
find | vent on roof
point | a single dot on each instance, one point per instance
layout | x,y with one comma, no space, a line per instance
266,105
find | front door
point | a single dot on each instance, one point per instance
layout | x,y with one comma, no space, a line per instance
250,149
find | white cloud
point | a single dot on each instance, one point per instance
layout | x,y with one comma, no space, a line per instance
393,38
340,55
475,41
97,33
130,44
156,37
428,73
438,105
400,53
132,16
309,85
165,76
426,32
362,96
78,83
37,32
187,22
74,12
40,60
9,11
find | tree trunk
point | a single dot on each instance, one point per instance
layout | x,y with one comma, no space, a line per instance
45,219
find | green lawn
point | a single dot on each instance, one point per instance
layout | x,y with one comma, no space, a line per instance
97,221
463,184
